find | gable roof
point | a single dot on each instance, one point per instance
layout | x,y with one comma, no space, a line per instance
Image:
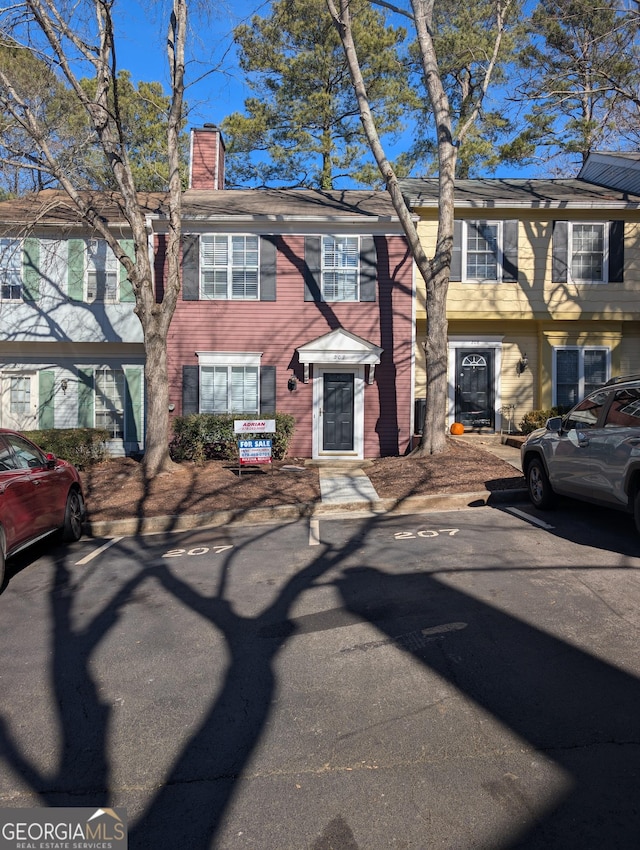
533,194
53,208
288,204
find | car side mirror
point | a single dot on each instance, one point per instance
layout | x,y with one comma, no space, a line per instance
51,460
554,424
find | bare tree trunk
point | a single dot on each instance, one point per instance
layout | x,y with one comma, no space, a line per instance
435,272
436,340
64,44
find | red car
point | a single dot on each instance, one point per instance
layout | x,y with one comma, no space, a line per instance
39,494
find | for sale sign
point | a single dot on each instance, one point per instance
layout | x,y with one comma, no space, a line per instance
254,451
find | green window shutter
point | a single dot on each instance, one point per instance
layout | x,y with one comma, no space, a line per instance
86,398
126,288
133,411
75,269
31,269
46,382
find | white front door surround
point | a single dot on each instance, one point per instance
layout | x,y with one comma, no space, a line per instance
494,343
324,360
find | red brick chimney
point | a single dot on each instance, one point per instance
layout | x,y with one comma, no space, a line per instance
206,168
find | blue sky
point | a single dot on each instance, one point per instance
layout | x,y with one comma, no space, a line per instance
215,82
211,96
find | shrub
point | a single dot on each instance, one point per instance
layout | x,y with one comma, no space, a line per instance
537,419
209,436
83,447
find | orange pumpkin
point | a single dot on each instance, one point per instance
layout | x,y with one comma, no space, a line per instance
457,428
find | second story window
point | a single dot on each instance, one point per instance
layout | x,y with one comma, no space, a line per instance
10,269
482,250
102,272
485,251
229,267
588,252
340,268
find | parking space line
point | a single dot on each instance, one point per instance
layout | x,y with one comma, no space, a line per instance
539,522
314,532
97,552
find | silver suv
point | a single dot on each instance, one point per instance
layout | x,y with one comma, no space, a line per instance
592,453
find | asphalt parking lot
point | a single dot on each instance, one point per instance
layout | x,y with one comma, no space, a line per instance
463,679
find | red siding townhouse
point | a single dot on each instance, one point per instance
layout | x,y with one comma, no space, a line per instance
299,301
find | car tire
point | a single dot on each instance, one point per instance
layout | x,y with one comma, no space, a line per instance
636,509
73,516
540,491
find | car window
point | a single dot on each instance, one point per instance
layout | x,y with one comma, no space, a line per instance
625,410
586,414
7,461
26,455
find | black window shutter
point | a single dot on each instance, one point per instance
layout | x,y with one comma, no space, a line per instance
312,269
368,269
190,390
455,273
190,267
560,252
267,389
510,250
616,251
268,253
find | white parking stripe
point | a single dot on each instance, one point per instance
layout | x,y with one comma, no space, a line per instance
97,552
539,522
314,532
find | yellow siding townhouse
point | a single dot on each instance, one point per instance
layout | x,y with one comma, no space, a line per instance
544,297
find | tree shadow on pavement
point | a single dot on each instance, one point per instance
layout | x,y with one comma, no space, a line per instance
576,709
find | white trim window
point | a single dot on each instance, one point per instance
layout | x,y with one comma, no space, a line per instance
577,371
588,251
340,268
229,267
109,401
229,383
482,250
10,269
102,272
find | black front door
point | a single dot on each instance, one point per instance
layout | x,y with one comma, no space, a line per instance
337,429
474,388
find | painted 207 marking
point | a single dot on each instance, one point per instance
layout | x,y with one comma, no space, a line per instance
197,550
411,535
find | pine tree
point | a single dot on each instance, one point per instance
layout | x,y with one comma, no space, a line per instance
303,126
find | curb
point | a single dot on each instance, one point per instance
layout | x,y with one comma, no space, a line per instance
291,513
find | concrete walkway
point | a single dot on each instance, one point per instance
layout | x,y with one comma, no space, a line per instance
339,486
342,483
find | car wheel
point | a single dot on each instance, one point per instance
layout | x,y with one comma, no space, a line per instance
636,510
73,514
540,490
